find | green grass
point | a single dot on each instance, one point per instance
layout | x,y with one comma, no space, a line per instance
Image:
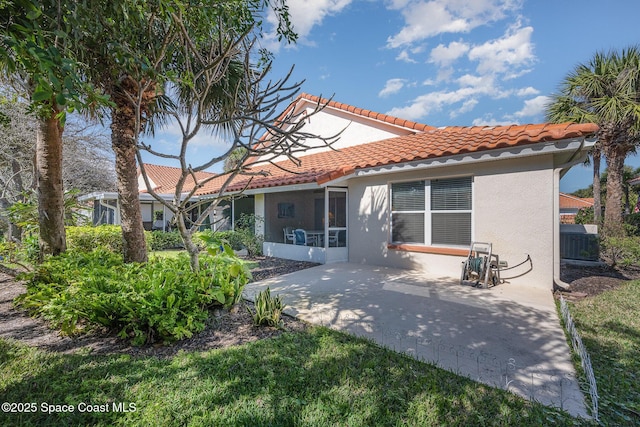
314,378
609,325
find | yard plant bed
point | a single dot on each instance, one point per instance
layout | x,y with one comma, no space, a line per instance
229,374
224,328
594,280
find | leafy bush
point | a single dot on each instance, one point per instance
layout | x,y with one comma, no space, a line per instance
88,238
623,251
162,300
233,238
633,224
162,240
245,226
585,216
243,237
268,309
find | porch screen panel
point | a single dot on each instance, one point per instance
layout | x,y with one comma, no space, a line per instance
451,211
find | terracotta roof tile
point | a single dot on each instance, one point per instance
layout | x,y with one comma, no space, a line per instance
329,165
362,112
567,201
166,178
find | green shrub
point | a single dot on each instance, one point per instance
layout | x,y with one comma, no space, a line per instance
623,251
243,237
233,238
268,309
585,216
162,240
633,224
88,238
162,300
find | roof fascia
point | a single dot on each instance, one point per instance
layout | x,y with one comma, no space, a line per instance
265,190
98,195
530,150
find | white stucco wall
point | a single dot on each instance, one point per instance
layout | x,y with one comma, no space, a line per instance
355,129
512,209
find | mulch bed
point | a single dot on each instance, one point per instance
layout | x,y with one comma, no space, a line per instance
224,328
588,281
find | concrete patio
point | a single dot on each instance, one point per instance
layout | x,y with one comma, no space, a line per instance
508,336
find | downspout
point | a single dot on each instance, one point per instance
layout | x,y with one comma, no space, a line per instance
573,160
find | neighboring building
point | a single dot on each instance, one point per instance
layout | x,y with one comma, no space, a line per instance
398,193
155,215
570,205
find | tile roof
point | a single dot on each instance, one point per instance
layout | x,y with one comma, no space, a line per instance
567,201
433,143
166,178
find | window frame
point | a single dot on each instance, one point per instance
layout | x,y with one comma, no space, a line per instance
428,213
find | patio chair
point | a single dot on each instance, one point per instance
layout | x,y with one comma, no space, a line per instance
288,235
303,239
333,237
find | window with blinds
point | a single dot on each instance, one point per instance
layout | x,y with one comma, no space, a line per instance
434,212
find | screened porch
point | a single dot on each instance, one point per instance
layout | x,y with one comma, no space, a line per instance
307,225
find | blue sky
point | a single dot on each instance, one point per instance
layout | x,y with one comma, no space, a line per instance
449,62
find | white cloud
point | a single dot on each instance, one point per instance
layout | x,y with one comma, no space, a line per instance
435,101
424,19
491,121
527,91
466,107
404,56
392,86
304,15
512,51
446,55
533,107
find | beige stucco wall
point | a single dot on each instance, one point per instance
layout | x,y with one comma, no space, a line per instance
512,208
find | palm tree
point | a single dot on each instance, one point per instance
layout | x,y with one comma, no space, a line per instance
606,91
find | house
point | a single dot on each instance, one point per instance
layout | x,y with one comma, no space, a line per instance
155,216
397,193
570,205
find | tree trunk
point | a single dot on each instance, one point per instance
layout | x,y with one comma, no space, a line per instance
123,142
52,240
597,192
613,225
187,239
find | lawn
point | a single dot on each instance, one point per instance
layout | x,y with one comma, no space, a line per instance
609,325
318,377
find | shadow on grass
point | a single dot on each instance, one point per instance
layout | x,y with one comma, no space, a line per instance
320,377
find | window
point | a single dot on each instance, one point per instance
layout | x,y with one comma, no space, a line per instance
435,212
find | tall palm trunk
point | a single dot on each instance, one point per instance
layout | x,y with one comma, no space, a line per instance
123,131
613,225
597,191
50,190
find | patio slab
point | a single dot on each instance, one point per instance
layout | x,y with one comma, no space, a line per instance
507,336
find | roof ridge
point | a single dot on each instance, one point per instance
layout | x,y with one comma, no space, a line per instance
396,121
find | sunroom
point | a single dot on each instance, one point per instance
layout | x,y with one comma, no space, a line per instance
304,224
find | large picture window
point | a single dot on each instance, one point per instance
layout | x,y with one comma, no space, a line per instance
432,212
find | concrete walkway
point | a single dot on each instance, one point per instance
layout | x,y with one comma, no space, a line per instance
508,336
